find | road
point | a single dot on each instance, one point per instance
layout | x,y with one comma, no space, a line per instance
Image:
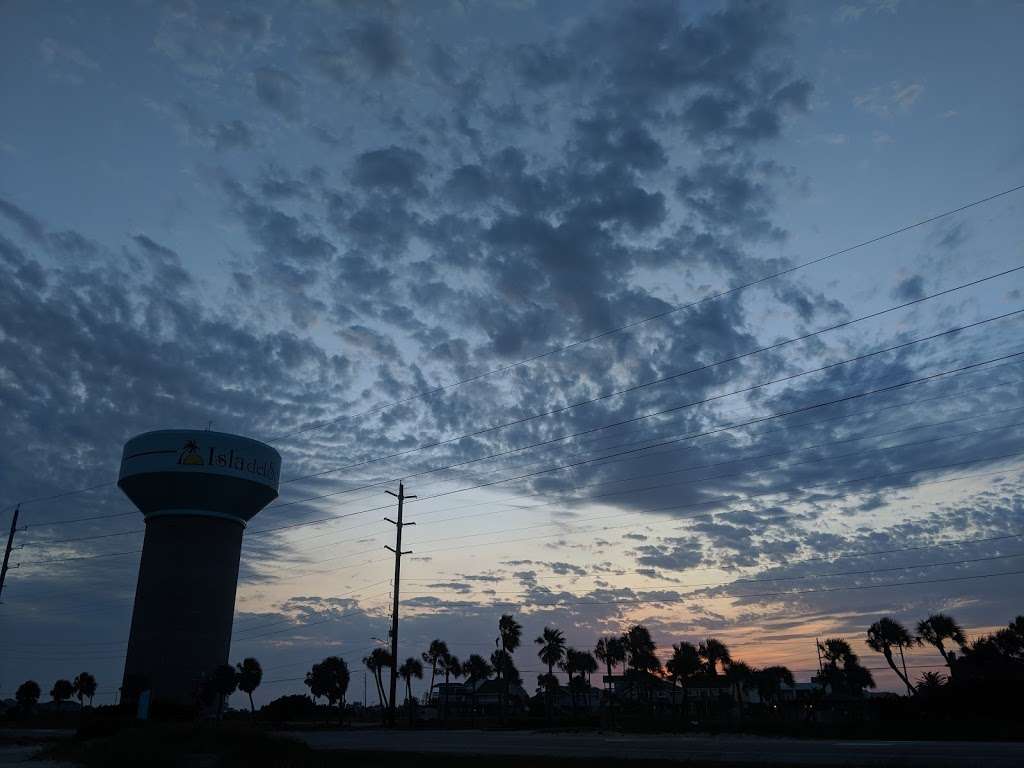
727,750
18,747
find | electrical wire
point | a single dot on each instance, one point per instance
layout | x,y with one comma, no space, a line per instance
672,310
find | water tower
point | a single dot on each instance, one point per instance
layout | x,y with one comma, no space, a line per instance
197,490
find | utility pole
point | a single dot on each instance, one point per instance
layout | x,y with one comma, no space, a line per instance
7,551
399,525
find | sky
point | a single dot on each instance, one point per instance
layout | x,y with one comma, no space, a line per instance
342,227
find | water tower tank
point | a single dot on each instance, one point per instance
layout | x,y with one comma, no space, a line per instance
197,490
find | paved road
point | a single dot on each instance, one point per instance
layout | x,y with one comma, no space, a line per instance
723,749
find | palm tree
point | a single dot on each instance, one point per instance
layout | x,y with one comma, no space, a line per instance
410,668
640,657
715,653
62,691
587,665
886,633
510,633
611,651
84,686
571,665
552,651
769,682
577,665
931,683
938,628
223,682
684,665
433,656
452,667
330,679
378,660
640,649
250,675
741,678
841,669
27,695
476,670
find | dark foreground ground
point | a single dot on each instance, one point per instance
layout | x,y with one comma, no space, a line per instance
618,749
212,746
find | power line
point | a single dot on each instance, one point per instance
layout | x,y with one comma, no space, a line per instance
709,478
704,503
626,390
672,521
800,577
805,560
754,457
615,458
598,518
784,593
641,417
649,318
601,335
703,401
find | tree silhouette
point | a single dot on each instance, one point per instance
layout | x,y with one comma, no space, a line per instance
930,683
452,667
433,656
476,669
640,650
222,683
62,691
887,633
84,686
27,695
841,670
641,660
937,629
769,682
587,664
330,679
1010,640
741,679
410,668
684,665
377,661
250,675
611,652
714,653
551,653
570,664
510,634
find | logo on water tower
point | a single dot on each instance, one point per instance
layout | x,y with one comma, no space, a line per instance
190,454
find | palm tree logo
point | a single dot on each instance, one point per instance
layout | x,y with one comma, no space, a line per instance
190,454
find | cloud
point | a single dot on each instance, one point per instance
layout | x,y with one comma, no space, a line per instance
222,135
378,45
67,61
909,289
28,224
906,95
672,554
882,101
390,169
278,91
